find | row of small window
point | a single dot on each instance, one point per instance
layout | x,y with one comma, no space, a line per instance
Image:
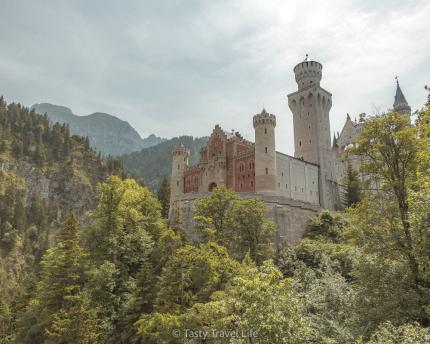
251,166
300,143
251,183
295,188
244,177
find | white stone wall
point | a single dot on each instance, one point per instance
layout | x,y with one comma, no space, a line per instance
297,179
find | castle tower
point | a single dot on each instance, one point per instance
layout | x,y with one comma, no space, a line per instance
179,164
265,153
310,106
400,104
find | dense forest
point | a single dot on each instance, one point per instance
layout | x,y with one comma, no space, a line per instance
120,272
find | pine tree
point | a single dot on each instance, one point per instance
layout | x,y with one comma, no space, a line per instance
163,195
352,184
61,313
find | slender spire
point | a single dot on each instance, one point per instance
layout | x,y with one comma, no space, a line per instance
400,104
399,98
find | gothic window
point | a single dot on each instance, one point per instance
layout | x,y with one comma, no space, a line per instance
265,149
179,166
267,170
252,184
300,143
279,185
295,188
286,186
265,130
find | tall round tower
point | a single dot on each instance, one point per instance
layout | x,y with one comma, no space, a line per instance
265,153
310,106
179,164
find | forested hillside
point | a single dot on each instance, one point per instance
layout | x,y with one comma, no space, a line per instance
107,133
124,274
44,174
152,164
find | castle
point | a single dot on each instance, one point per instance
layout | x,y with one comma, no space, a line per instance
295,187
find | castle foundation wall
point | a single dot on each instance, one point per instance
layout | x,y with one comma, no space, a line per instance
290,216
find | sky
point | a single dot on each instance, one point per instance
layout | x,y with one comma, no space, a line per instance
180,67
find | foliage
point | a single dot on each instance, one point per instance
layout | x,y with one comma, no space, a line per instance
60,312
352,186
163,196
241,225
259,305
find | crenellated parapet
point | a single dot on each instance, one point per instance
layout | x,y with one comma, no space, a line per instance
264,118
308,73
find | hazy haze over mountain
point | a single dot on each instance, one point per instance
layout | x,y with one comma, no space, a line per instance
107,133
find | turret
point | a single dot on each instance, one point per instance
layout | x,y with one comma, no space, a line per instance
265,153
179,164
308,73
400,104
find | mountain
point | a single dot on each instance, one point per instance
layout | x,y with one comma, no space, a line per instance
152,164
107,133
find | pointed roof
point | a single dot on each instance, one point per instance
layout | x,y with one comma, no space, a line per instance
399,98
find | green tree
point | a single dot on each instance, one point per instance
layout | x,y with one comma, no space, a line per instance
163,196
257,303
192,275
60,312
390,225
352,186
241,225
389,147
210,213
126,226
248,229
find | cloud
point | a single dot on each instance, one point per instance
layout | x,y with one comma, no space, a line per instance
180,67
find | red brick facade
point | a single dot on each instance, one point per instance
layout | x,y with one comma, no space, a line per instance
227,159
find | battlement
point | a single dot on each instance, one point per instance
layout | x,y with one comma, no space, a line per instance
308,73
179,150
264,118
